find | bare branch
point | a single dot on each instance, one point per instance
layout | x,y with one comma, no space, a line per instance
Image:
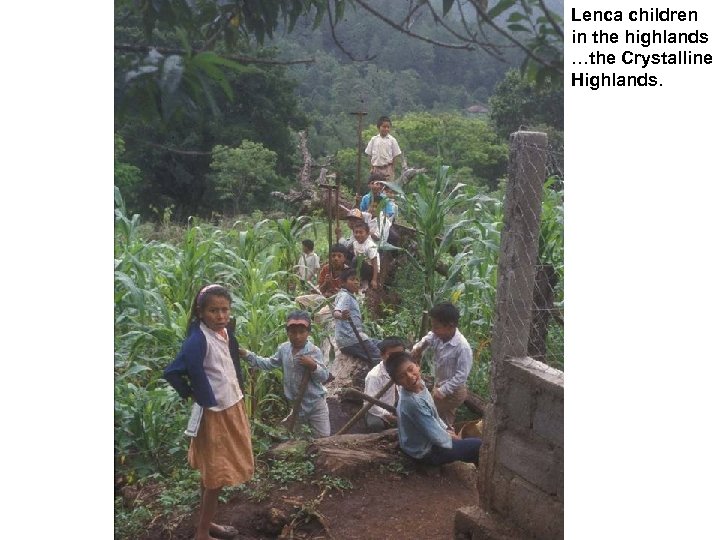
487,47
337,41
550,17
481,14
466,46
126,47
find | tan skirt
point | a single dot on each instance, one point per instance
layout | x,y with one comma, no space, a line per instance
222,451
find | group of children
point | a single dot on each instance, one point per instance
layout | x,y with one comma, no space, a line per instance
207,369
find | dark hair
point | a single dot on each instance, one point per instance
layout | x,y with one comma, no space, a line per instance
308,244
299,314
445,313
384,119
390,342
348,273
339,248
201,300
362,224
395,362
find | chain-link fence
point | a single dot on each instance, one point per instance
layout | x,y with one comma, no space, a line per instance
528,313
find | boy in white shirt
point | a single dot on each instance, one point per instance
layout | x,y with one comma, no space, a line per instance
452,361
364,247
377,418
383,148
309,262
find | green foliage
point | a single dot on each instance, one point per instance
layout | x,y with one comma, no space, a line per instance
539,29
127,177
519,102
241,176
429,210
333,482
286,471
469,143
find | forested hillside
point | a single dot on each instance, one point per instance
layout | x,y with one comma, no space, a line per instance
175,161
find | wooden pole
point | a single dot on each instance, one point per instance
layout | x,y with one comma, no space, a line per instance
357,393
365,409
337,210
298,400
359,115
329,188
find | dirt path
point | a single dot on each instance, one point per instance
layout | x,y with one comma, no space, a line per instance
416,503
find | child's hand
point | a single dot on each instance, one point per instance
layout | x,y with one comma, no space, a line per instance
308,362
436,394
374,284
243,353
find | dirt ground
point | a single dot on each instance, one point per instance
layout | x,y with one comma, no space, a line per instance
418,503
401,501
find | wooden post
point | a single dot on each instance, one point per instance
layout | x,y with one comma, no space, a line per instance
366,408
298,400
359,115
329,188
515,280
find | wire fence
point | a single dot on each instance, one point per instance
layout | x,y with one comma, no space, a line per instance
528,313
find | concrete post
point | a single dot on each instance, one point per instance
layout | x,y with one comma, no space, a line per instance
516,278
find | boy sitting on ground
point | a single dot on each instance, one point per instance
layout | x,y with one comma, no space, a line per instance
422,434
347,313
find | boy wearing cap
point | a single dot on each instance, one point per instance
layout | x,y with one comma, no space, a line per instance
294,357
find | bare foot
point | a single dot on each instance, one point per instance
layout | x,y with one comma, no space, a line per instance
223,531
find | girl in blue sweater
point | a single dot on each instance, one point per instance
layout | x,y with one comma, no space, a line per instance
207,371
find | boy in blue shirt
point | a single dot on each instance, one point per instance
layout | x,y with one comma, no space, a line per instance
347,309
422,434
294,356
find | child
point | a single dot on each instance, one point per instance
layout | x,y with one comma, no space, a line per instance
379,207
207,371
383,149
422,434
347,309
309,262
364,247
328,283
329,279
295,356
377,418
355,216
453,359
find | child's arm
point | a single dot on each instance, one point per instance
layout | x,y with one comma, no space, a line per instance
186,373
462,371
340,310
263,363
421,345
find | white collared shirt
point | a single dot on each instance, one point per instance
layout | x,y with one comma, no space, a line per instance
452,360
220,370
374,382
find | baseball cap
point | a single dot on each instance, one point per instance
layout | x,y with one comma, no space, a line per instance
298,317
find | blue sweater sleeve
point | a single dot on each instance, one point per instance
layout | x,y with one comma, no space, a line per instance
186,374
